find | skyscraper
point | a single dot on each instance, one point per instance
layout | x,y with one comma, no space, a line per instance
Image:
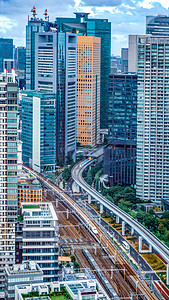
6,51
39,149
34,25
157,25
56,71
124,60
149,56
8,170
83,25
21,58
120,154
88,90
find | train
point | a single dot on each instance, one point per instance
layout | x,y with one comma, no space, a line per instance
108,287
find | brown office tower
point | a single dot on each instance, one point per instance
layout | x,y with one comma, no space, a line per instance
88,90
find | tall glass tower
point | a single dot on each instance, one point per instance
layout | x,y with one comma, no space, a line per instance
8,170
151,61
6,51
82,25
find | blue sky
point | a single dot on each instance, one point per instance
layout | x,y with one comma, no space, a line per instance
127,16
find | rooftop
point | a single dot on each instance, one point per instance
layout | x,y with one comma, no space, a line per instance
26,267
39,211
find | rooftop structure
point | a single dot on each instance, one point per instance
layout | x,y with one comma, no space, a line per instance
79,286
28,272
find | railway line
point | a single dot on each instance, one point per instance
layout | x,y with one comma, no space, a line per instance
131,278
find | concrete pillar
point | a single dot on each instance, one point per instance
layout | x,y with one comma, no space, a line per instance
117,220
140,240
132,231
123,228
167,275
101,208
89,199
67,214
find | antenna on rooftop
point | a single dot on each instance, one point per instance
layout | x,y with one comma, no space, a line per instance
34,11
46,15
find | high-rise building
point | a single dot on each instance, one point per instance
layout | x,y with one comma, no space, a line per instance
151,61
6,51
56,71
38,235
120,154
8,170
21,58
123,107
88,90
34,25
124,60
39,148
157,25
82,25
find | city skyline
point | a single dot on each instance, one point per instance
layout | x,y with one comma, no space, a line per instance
119,12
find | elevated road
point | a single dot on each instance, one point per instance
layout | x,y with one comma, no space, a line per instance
159,246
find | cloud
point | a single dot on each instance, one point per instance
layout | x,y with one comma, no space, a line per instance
127,16
101,2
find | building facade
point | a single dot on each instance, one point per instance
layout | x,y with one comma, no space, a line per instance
120,154
124,60
157,25
8,170
88,90
26,273
56,71
37,238
6,51
83,25
34,25
152,64
39,150
29,191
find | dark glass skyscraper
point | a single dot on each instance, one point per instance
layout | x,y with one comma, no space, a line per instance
120,154
82,25
123,107
6,50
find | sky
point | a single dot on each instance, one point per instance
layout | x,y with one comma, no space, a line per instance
126,16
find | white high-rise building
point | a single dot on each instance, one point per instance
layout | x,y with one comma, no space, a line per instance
149,57
8,170
56,72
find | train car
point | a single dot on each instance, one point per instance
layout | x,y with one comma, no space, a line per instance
126,245
108,287
94,230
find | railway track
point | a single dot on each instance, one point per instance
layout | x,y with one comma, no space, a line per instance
131,278
124,283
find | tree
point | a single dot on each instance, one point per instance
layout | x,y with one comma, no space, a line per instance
165,214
